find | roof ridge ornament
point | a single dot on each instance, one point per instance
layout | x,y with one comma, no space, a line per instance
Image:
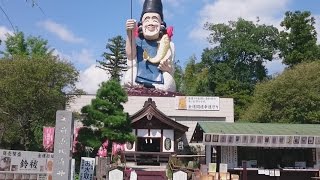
149,102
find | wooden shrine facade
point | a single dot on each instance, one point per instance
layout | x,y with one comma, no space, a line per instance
157,136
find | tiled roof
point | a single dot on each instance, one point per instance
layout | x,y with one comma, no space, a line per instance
260,128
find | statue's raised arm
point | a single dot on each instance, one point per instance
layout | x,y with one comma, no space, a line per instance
150,51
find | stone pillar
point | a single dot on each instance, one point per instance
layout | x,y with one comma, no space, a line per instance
63,145
208,154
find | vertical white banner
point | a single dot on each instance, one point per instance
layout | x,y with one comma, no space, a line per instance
73,166
87,168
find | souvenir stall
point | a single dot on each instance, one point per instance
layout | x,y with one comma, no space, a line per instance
262,150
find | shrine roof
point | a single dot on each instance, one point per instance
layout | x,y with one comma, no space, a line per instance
150,110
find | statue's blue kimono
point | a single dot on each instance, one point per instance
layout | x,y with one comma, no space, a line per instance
147,73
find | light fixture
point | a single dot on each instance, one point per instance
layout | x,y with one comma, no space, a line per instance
150,141
146,141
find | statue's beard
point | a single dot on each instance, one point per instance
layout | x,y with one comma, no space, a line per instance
151,32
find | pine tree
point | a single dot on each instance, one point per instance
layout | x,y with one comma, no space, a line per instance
104,118
115,60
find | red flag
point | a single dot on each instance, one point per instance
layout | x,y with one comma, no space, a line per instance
75,138
48,138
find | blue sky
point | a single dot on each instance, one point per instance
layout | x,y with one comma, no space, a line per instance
79,30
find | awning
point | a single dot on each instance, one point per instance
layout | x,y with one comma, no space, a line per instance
258,134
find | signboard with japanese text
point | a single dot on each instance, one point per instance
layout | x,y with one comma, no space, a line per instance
197,103
259,140
63,145
86,168
25,161
14,162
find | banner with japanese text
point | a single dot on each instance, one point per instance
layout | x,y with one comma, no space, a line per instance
48,138
13,161
87,168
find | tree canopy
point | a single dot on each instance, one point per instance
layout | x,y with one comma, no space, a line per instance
236,62
292,97
33,86
30,47
104,119
298,42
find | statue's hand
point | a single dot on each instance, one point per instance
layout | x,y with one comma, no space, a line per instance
130,24
166,66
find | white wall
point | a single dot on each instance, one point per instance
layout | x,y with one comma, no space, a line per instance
166,105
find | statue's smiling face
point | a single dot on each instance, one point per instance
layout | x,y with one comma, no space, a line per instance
151,23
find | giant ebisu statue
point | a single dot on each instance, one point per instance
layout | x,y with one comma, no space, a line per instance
150,51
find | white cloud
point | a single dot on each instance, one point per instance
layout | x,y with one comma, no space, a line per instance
61,55
91,78
61,31
85,57
222,11
3,32
90,75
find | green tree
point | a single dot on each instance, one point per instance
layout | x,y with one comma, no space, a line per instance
115,60
33,84
195,79
105,119
298,40
31,91
292,97
236,63
30,47
178,75
244,46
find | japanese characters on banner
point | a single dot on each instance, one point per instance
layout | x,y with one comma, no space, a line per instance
197,103
261,140
48,138
86,168
27,162
229,155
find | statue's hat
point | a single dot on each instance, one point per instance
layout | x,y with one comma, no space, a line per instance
154,6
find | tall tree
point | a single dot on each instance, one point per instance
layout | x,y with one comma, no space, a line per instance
298,40
236,63
32,89
195,79
105,119
292,97
178,75
115,60
30,47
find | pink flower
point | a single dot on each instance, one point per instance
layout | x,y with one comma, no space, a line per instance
102,152
117,148
105,144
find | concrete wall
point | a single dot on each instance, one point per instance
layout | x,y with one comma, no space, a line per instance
167,106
